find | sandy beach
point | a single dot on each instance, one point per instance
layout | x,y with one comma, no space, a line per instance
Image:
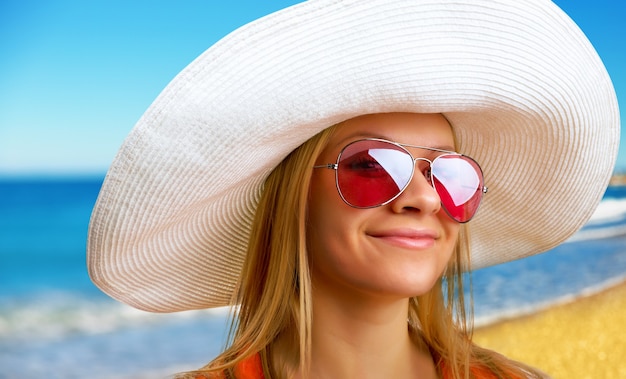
585,338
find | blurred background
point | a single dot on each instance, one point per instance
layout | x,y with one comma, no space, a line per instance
75,76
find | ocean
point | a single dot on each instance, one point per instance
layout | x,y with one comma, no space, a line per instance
54,323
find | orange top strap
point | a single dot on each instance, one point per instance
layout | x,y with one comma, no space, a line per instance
249,368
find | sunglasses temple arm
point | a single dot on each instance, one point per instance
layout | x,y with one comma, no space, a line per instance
332,166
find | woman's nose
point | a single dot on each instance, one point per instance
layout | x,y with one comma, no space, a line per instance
419,195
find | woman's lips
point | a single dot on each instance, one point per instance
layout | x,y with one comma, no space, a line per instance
407,238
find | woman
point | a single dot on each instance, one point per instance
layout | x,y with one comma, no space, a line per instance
313,168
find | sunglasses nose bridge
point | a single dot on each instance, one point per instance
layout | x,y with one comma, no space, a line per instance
418,169
421,186
423,173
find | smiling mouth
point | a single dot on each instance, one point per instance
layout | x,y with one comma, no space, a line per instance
408,239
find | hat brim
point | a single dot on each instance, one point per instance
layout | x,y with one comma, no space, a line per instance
526,94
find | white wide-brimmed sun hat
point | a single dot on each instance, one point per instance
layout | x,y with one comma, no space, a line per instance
524,90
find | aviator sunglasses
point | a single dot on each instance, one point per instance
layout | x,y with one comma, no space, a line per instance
372,172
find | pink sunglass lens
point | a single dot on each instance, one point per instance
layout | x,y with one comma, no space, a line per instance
458,181
370,173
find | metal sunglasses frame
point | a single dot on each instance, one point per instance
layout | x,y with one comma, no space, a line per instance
403,147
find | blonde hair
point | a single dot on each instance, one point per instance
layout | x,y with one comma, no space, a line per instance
274,291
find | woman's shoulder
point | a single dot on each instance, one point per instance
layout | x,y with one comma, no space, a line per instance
249,368
477,372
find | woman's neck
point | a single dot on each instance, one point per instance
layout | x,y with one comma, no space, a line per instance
365,337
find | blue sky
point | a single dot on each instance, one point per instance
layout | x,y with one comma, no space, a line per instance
76,75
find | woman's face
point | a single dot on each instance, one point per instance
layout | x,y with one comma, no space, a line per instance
396,250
